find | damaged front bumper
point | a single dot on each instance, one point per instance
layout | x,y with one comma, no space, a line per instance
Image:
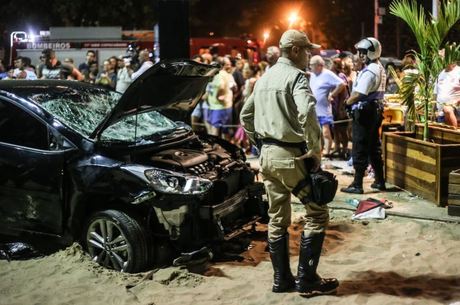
237,212
191,223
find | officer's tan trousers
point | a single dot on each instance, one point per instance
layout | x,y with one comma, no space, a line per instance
281,173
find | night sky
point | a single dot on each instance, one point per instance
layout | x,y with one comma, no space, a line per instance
333,23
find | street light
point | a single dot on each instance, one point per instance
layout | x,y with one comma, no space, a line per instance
266,35
293,17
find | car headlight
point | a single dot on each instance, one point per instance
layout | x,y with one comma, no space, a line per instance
172,183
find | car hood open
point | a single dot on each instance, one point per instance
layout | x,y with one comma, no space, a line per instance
167,84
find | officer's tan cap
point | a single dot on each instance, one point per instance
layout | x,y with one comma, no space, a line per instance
296,38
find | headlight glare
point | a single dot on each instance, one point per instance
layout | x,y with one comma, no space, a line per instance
174,183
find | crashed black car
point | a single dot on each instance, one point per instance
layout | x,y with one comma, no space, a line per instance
82,163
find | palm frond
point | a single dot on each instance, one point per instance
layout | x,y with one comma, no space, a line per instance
451,53
430,34
448,16
414,16
407,85
394,75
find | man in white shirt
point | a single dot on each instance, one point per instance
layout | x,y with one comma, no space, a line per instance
22,71
145,62
124,74
447,92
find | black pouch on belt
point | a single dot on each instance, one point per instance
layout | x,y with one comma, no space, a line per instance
323,187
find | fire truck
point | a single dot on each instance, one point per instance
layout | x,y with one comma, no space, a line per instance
74,42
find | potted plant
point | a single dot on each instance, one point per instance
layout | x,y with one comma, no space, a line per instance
420,161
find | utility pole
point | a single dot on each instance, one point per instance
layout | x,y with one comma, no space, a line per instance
376,19
435,6
174,29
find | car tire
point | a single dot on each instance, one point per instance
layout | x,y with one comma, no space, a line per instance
116,240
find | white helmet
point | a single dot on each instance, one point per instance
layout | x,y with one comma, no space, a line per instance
370,46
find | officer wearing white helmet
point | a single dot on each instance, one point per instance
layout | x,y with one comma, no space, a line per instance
366,107
280,115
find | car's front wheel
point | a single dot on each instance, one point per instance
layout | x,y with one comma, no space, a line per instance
116,240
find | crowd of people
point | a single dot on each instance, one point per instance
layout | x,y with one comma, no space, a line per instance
218,111
115,72
331,83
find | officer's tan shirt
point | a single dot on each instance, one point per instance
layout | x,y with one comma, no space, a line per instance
282,107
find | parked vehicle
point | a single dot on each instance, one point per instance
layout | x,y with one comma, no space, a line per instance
87,164
390,61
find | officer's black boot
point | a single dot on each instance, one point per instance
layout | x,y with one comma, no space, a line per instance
308,282
356,187
379,182
283,280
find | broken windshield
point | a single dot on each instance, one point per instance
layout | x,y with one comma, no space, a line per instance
147,124
84,110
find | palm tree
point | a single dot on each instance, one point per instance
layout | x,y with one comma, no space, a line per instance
430,34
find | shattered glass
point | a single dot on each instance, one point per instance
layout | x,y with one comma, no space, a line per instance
84,111
147,124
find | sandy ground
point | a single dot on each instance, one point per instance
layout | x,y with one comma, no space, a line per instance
391,261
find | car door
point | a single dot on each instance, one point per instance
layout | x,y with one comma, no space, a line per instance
31,173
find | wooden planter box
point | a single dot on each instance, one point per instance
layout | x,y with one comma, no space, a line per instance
422,167
454,193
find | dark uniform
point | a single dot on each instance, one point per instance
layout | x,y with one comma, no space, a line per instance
367,114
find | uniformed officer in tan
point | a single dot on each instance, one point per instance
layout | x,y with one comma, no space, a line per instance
280,117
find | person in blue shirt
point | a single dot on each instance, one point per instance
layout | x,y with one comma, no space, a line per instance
326,86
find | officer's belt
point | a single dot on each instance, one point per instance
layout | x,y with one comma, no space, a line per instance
270,141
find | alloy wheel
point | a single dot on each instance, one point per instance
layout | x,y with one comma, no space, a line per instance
107,244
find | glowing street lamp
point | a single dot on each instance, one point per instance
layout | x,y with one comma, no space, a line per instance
266,35
293,17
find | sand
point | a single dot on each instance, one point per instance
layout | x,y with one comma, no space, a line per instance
391,261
